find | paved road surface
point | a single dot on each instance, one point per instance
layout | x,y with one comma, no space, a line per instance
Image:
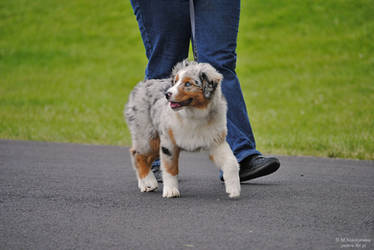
66,196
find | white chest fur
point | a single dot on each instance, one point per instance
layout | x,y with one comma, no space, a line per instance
198,134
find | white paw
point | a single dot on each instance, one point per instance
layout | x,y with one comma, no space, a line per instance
148,184
170,192
233,192
233,188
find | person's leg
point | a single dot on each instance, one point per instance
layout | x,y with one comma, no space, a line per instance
165,29
216,28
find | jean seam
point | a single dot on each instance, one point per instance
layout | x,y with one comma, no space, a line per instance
146,35
144,32
193,40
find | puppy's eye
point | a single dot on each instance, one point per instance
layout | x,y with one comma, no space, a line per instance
187,84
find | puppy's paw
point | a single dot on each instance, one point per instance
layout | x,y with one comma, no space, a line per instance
147,188
233,192
148,184
233,189
170,192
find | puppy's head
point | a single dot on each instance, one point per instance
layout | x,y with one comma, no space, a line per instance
194,85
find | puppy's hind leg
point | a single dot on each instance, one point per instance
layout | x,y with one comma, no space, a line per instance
142,164
223,157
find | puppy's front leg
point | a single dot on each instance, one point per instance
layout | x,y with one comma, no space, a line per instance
169,155
223,158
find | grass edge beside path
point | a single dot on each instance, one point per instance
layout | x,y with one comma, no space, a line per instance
306,69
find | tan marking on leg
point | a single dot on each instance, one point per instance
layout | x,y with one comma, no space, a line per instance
142,165
155,146
171,165
220,138
171,135
144,161
211,158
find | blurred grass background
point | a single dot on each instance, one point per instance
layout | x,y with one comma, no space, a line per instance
306,69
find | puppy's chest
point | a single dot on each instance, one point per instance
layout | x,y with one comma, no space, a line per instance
196,139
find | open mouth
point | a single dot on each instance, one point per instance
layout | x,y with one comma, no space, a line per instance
175,105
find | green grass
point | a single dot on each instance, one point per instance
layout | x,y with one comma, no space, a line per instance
306,69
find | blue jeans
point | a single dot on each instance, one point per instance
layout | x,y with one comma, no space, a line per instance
165,28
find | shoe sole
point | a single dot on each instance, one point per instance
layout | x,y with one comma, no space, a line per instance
265,170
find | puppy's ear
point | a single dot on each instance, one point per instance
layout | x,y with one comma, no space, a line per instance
210,79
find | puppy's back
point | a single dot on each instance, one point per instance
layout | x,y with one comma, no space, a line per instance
142,98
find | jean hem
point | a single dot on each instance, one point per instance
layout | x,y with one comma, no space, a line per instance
244,154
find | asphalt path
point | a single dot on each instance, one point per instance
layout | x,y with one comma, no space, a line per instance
68,196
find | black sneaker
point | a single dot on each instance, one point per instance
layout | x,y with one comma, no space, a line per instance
257,166
157,172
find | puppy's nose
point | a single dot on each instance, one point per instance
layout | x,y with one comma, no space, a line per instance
168,95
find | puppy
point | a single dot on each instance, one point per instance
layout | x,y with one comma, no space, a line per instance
186,112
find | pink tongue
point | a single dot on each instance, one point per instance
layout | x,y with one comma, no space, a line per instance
175,105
